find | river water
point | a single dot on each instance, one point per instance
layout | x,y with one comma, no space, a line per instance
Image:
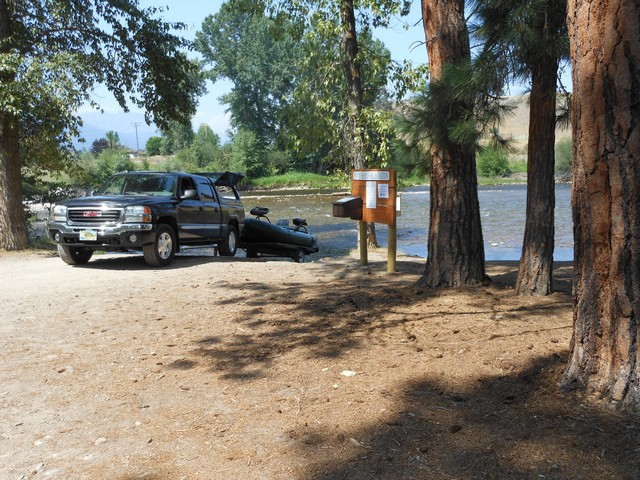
502,210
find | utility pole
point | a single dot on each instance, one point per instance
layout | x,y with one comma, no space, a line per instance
135,124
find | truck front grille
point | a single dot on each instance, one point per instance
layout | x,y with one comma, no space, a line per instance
94,216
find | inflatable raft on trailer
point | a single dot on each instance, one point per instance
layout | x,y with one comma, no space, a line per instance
261,237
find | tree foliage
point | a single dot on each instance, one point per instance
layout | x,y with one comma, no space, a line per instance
240,43
320,119
176,136
98,145
206,146
454,111
317,111
286,64
52,54
517,35
154,146
113,138
58,51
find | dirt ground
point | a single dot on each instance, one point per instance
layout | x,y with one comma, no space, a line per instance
245,369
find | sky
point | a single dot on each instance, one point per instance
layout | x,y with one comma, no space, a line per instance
403,43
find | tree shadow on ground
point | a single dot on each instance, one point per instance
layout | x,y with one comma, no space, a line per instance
511,427
328,319
513,424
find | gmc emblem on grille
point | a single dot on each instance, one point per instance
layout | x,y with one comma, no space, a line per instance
92,214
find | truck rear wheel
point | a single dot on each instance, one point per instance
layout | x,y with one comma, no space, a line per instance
161,252
229,245
74,255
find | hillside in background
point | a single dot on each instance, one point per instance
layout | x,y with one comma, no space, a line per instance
516,125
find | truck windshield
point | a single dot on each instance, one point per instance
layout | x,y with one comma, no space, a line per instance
139,184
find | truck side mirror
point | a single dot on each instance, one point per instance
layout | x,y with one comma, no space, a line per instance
189,194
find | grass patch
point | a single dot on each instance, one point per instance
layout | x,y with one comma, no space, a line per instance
298,180
487,181
315,181
412,181
517,166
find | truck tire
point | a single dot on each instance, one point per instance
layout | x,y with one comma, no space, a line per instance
161,252
74,255
229,244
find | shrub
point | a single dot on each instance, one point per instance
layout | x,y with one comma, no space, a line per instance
492,162
564,156
248,156
154,145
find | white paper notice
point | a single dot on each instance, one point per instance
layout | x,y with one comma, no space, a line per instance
383,190
371,195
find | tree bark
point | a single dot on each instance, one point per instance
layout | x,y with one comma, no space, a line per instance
353,138
535,276
605,52
536,262
13,226
455,246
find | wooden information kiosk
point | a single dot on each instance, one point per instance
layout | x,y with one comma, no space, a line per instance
373,199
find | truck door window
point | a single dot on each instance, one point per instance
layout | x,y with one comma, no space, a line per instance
227,192
205,191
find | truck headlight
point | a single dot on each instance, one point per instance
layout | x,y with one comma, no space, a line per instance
59,213
137,214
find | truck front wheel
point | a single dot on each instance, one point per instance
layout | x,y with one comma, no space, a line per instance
74,255
161,252
229,244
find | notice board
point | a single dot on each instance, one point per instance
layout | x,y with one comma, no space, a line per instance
377,188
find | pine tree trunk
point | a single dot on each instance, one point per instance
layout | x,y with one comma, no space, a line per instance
455,254
536,263
605,51
455,248
13,226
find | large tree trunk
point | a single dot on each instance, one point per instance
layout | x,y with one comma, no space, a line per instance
536,263
535,276
353,138
605,52
13,226
455,247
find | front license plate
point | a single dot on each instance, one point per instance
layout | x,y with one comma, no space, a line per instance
88,235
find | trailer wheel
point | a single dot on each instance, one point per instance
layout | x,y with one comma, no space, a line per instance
300,256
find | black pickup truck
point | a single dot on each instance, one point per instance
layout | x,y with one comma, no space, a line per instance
155,212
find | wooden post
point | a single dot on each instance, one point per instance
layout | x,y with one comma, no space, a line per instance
363,243
391,251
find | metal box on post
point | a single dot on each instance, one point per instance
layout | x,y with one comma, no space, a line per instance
348,207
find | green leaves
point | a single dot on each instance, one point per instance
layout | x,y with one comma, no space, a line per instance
59,50
258,55
286,65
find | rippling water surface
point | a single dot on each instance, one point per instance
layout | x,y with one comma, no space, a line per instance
502,209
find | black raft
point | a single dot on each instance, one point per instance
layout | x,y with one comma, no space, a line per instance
261,237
